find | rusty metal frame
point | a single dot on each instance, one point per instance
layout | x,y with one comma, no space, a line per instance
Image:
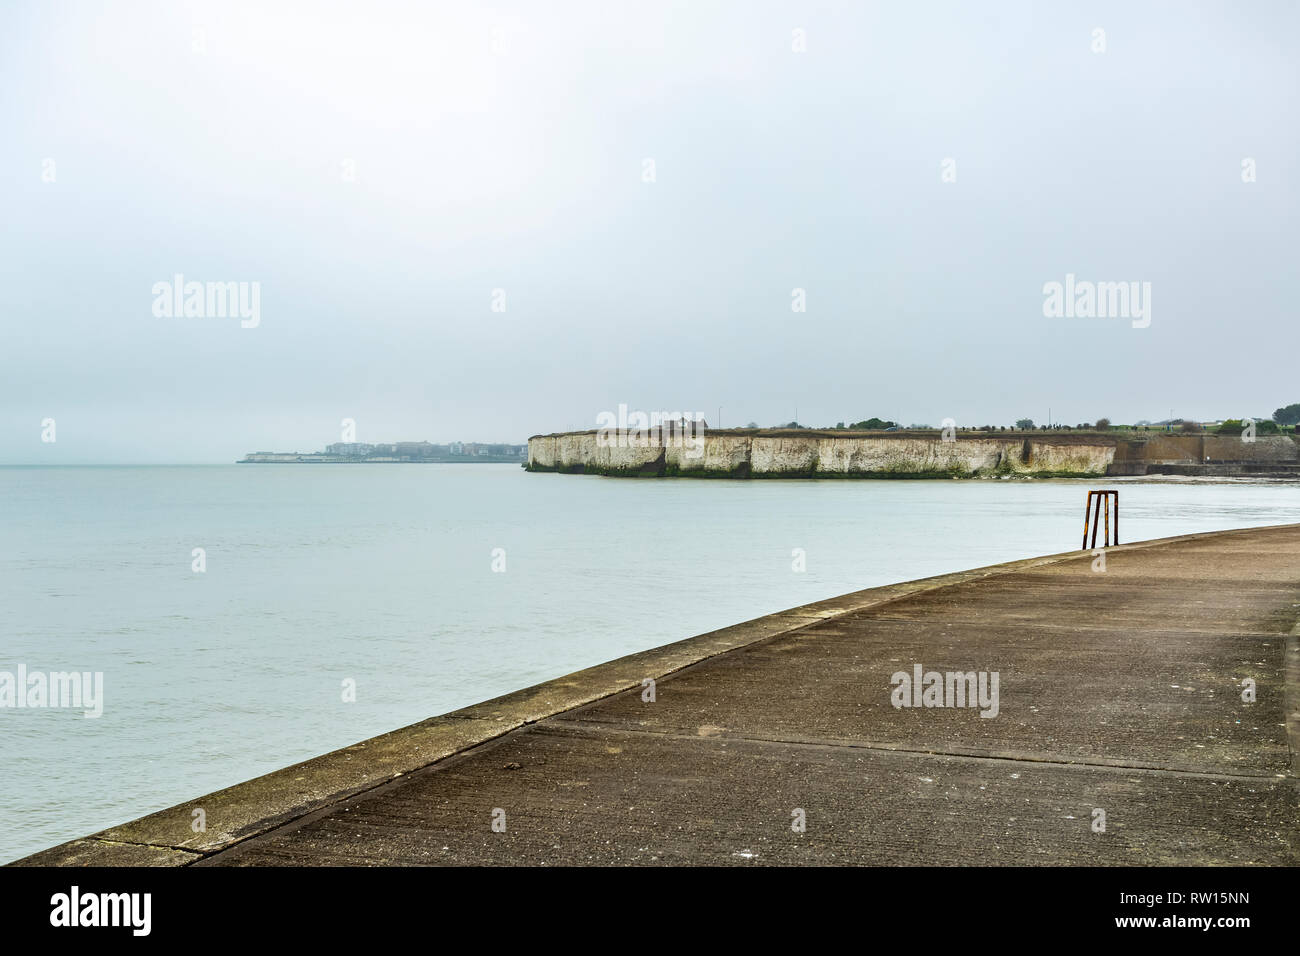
1095,510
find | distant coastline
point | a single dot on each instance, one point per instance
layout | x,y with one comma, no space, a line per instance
420,452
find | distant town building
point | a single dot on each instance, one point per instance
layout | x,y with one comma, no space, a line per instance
683,426
349,449
403,451
413,449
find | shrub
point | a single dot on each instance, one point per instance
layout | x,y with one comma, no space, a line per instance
1234,426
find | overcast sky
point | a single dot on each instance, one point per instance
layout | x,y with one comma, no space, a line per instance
381,168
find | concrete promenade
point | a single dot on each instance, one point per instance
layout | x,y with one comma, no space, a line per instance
1119,691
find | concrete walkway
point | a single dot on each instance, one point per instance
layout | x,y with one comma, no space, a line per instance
1119,691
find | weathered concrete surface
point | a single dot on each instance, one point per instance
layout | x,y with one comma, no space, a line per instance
1119,690
100,852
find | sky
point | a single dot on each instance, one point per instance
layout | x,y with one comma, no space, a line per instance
482,222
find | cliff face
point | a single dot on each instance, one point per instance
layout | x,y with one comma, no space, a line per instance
733,455
744,454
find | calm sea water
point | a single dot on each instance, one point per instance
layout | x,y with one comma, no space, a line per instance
384,575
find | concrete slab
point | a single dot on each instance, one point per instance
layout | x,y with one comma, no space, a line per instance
611,797
1159,699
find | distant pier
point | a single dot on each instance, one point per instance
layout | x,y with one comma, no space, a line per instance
1145,712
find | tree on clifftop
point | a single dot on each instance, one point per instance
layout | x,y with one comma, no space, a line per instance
1024,424
1289,415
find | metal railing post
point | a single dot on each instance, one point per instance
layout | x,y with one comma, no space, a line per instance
1098,522
1086,509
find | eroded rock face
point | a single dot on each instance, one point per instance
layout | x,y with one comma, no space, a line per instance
542,452
574,450
632,458
911,456
1078,459
812,455
722,454
783,456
